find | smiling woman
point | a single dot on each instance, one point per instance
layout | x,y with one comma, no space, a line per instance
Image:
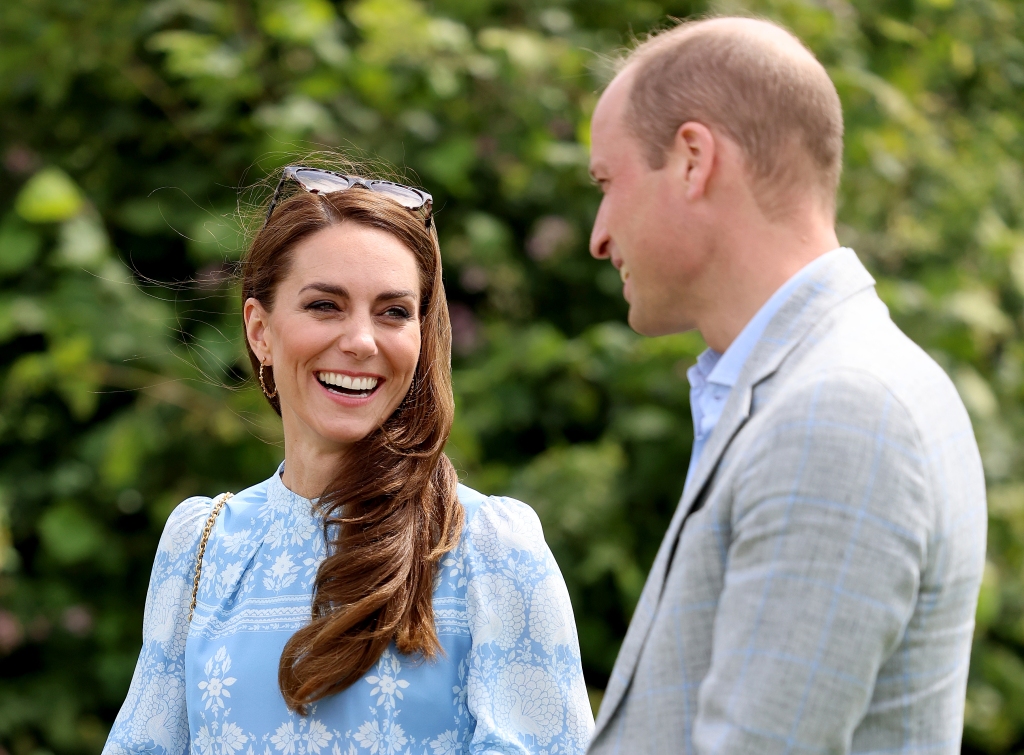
344,316
359,599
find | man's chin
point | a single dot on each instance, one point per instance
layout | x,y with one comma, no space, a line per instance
653,327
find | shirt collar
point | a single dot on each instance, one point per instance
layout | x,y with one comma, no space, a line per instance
724,369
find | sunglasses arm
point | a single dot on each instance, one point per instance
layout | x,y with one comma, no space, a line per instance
273,202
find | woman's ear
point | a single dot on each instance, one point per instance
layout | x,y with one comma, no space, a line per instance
256,320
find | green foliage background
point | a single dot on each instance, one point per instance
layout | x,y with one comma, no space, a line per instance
126,127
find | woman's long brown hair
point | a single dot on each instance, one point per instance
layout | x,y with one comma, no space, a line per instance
391,511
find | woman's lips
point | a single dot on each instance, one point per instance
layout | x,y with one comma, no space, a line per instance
347,381
348,390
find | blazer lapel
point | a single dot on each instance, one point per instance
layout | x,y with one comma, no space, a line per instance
733,417
832,283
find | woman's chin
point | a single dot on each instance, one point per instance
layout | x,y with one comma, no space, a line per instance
339,420
343,428
341,437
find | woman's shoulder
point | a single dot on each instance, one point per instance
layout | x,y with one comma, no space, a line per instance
499,526
184,527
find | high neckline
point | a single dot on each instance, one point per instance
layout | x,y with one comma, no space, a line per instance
280,494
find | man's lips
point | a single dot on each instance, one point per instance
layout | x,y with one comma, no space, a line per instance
619,264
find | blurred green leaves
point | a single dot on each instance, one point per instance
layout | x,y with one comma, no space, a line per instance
299,21
49,196
129,128
69,534
19,245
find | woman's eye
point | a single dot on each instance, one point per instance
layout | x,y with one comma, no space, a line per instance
322,306
398,313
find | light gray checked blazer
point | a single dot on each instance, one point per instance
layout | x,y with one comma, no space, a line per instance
815,591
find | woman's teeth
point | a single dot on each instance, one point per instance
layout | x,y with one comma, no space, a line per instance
346,384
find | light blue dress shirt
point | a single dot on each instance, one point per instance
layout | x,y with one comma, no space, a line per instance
714,374
508,680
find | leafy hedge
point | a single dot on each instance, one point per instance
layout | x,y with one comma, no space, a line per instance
128,127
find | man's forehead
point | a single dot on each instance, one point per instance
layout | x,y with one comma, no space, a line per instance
613,100
598,162
607,120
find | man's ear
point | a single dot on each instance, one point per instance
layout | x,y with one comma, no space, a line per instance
256,320
693,156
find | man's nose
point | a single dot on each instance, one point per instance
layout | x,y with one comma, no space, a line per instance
600,241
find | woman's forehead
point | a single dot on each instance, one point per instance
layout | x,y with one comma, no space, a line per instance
354,255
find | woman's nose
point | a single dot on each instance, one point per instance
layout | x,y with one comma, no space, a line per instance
358,339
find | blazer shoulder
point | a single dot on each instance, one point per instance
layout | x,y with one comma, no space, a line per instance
859,352
854,393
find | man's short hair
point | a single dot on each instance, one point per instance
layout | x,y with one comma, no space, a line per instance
745,78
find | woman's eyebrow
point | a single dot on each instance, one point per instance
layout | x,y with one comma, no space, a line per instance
342,293
326,288
390,295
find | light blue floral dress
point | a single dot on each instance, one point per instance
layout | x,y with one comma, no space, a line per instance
509,680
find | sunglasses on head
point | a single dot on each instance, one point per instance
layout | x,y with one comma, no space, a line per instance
319,181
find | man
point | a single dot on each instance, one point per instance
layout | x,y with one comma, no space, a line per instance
815,591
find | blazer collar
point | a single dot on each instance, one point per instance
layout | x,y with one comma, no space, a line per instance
832,283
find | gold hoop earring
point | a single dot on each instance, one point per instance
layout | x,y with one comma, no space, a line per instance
263,385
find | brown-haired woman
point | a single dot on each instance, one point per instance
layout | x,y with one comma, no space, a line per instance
440,621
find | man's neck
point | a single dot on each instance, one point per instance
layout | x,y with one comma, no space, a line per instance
757,265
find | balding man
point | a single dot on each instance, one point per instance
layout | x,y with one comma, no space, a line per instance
816,588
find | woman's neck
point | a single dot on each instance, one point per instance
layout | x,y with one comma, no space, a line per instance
309,469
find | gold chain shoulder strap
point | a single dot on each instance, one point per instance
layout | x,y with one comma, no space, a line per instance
218,504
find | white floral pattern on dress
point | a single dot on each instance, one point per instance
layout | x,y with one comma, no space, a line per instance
497,610
505,533
529,701
163,611
448,743
228,578
459,691
550,624
234,544
220,739
281,574
508,679
301,736
215,686
157,718
386,738
386,683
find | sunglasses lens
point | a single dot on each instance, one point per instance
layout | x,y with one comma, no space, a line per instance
404,196
321,182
